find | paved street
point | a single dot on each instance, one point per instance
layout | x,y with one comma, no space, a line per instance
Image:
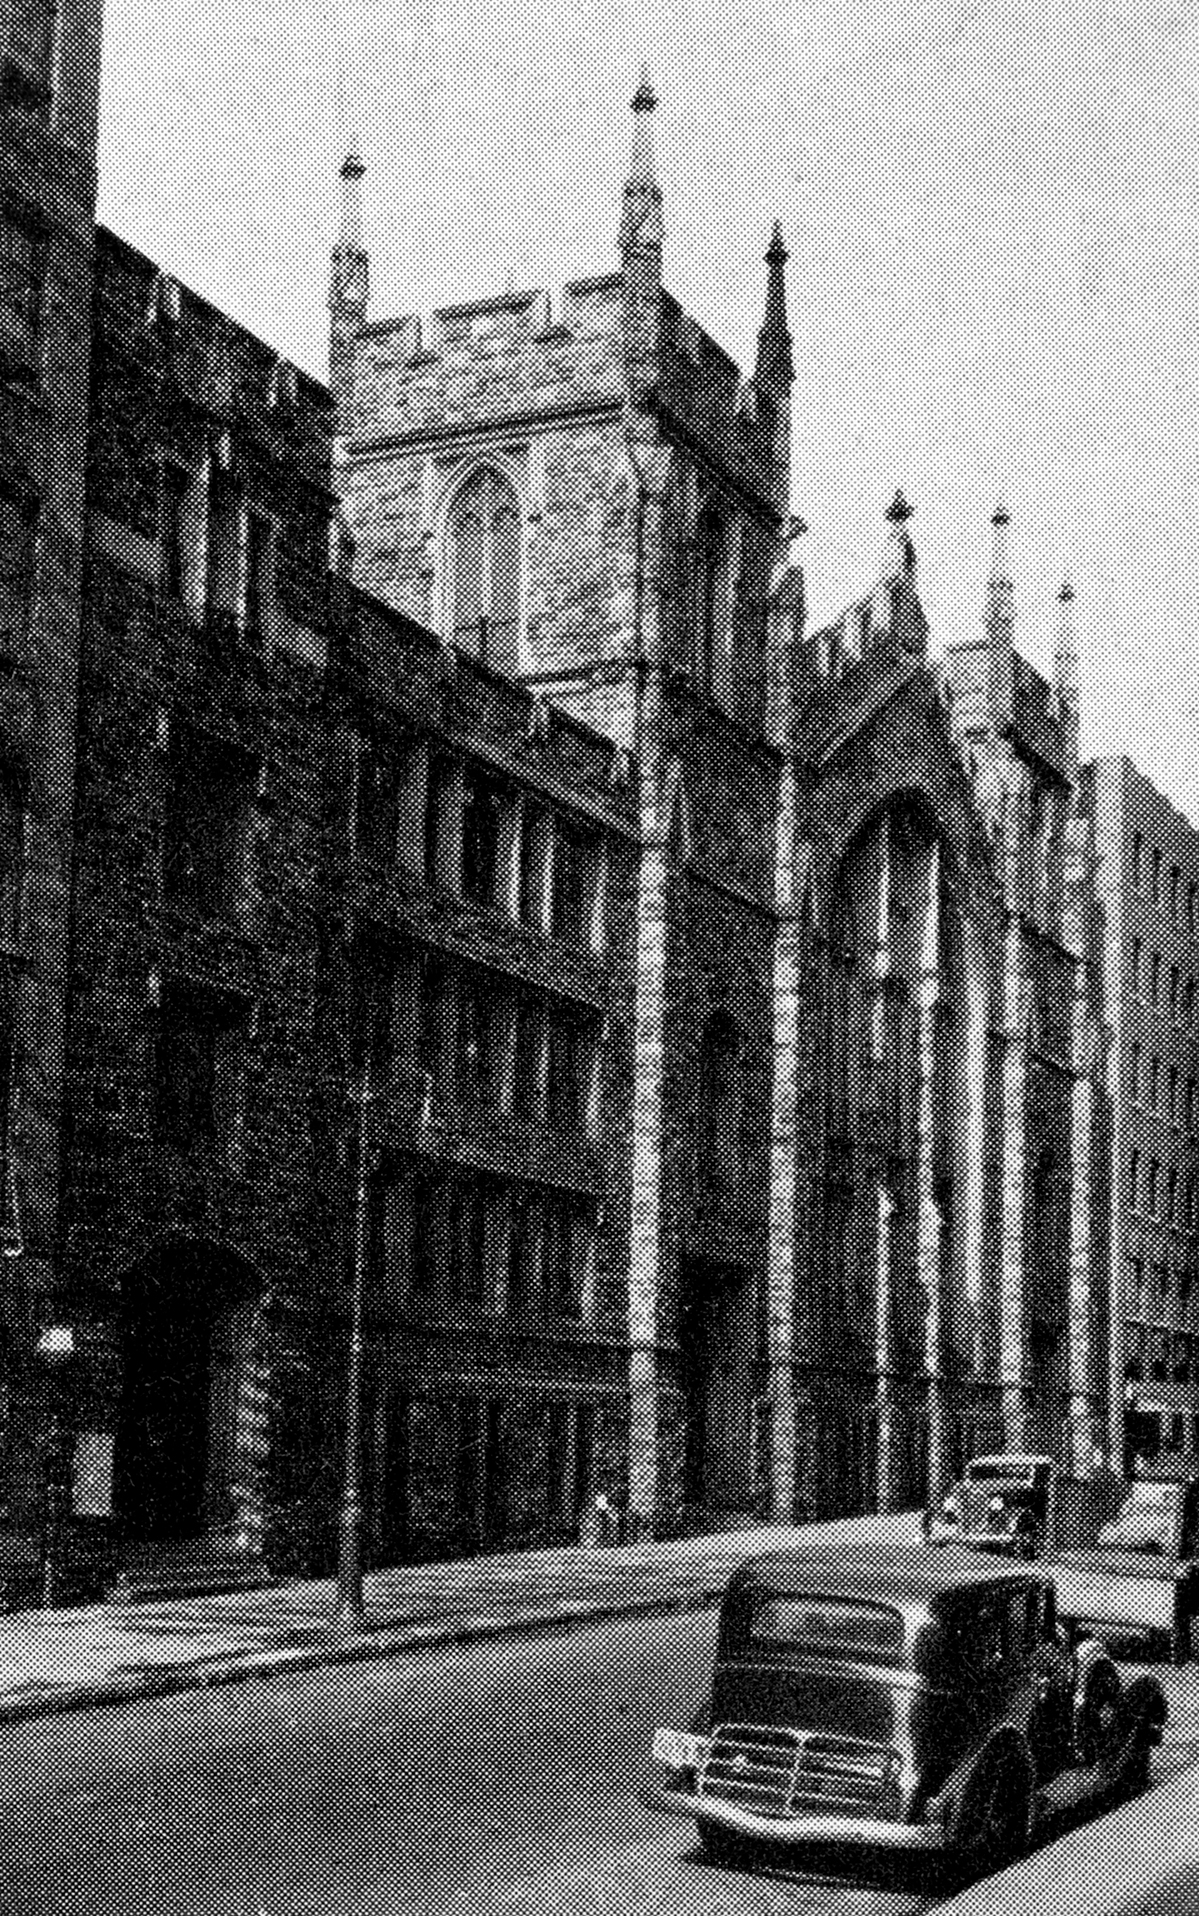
490,1778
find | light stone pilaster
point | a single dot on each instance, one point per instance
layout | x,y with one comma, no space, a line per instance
785,1156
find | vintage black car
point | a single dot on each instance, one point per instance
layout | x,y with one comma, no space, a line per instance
907,1698
1002,1503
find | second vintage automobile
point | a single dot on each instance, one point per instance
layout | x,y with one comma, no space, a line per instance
1002,1503
907,1699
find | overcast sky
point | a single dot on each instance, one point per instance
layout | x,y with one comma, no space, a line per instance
992,212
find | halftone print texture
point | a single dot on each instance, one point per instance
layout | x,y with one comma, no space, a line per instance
598,1220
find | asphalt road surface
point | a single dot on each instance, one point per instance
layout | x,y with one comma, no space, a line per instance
495,1778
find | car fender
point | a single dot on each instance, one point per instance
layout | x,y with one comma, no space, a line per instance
1005,1739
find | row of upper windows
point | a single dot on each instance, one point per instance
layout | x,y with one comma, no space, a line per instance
1146,976
1157,1291
1163,1091
479,837
232,572
478,1240
1162,1356
30,54
1158,1197
1149,873
476,1038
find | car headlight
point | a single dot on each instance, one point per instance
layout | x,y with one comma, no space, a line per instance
680,1749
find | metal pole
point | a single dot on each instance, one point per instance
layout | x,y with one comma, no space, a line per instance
349,1609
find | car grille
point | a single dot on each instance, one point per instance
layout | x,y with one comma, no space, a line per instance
780,1772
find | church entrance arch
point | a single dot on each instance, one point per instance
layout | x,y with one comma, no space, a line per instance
189,1395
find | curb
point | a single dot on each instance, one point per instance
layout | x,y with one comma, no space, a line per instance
177,1679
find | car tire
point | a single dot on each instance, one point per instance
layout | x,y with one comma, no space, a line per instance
1144,1713
1097,1715
994,1825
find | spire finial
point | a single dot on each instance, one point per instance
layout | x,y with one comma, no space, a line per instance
899,559
775,365
641,222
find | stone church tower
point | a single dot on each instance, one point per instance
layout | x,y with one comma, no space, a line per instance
594,501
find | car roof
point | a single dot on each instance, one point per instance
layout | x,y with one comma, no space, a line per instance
900,1575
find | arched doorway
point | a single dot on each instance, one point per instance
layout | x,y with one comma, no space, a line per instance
191,1396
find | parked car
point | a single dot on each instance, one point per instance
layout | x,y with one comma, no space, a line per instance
906,1699
1140,1578
1003,1503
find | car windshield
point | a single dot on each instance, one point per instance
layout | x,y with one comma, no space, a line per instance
998,1470
827,1626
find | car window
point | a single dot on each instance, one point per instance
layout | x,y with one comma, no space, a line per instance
827,1626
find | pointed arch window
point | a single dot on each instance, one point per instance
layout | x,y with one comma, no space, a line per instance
709,596
718,1103
483,569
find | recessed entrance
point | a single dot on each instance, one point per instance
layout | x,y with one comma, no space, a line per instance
189,1395
717,1347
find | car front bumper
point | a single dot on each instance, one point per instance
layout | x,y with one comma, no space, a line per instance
999,1542
868,1831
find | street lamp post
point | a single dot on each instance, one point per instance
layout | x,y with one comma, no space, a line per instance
349,1607
56,1352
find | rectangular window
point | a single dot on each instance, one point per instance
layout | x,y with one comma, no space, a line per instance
468,1238
560,1288
22,276
1155,978
477,1008
1134,1070
1155,878
16,574
205,825
1135,1270
224,550
1151,1187
1134,1180
1138,966
521,1253
426,1192
530,1035
27,76
573,879
1155,1073
1175,994
200,1070
1175,887
566,1070
1174,1081
1138,860
436,820
376,802
433,985
258,561
176,483
533,831
481,818
1172,1196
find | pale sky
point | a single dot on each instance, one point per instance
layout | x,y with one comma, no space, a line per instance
992,212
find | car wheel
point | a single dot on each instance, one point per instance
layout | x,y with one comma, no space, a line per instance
1097,1717
1144,1712
994,1826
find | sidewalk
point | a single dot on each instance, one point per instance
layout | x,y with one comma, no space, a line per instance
56,1660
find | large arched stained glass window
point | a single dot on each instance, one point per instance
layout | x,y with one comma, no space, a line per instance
483,570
